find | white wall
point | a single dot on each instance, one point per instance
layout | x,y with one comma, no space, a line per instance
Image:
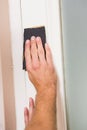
74,17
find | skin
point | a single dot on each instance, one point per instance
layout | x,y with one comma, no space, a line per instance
28,113
42,74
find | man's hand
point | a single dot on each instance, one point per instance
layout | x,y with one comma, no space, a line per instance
42,74
40,68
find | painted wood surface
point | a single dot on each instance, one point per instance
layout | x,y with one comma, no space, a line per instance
24,14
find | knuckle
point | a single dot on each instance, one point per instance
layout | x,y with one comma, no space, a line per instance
34,52
35,65
28,64
44,65
28,67
41,51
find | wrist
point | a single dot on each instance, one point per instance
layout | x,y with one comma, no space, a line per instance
47,92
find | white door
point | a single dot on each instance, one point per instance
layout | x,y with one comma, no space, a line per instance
31,13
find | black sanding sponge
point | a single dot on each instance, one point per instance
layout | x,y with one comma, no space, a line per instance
28,32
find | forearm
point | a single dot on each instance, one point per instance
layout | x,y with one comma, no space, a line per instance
45,110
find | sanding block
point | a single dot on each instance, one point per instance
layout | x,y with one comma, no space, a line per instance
28,32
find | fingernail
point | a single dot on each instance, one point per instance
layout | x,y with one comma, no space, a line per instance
38,38
33,38
27,41
46,44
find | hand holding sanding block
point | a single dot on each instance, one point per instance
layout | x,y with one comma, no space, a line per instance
28,32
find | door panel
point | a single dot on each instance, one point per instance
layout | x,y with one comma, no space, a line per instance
30,13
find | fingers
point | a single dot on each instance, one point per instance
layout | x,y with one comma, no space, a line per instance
48,55
35,60
31,108
28,113
26,116
34,53
28,54
40,50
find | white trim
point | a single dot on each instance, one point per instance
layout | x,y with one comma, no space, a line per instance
2,120
54,38
17,54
